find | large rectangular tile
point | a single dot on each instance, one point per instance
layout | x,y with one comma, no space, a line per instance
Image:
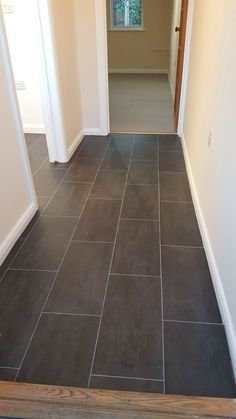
179,225
94,148
98,221
187,287
146,138
31,139
174,187
23,294
169,142
81,282
46,244
143,173
47,180
145,151
39,148
141,201
116,160
137,248
126,384
8,374
172,162
69,199
61,351
197,360
83,170
109,185
130,338
121,142
42,203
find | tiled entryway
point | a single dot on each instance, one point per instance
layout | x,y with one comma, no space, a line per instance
109,285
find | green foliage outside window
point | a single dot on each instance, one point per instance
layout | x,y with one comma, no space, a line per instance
135,11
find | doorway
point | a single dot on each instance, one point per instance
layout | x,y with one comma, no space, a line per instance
142,64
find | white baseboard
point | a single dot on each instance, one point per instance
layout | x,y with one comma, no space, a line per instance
16,231
75,143
137,71
216,278
34,129
92,131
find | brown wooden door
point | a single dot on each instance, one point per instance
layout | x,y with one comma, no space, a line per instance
180,62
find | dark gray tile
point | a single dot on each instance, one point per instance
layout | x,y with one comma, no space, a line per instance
187,286
47,180
179,225
83,170
39,148
172,162
130,338
126,384
94,148
169,143
116,160
46,244
99,138
61,351
137,248
109,185
42,202
143,172
36,162
81,282
146,138
7,374
22,296
98,221
141,201
174,187
145,151
69,199
121,142
6,263
31,139
197,360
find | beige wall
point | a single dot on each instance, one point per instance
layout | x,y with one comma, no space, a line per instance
16,200
210,106
174,42
148,49
64,29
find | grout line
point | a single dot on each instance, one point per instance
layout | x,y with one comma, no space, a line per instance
126,378
139,219
105,199
58,216
9,368
32,270
90,241
109,272
55,313
161,276
176,202
45,303
192,322
187,247
40,167
76,182
142,276
36,141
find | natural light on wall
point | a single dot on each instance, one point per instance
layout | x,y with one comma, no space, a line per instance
126,14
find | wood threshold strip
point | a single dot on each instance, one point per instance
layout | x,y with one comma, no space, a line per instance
19,400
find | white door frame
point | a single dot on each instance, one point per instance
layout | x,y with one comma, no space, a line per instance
102,61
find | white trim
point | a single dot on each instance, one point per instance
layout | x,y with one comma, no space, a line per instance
52,106
137,71
34,128
215,274
16,231
75,143
102,65
92,131
187,50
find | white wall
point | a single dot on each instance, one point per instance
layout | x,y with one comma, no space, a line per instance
174,43
22,32
210,106
16,190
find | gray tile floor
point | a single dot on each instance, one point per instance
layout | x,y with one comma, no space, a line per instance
109,287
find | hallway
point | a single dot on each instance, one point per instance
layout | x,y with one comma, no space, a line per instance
109,285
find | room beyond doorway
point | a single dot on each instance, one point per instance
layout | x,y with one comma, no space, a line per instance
141,102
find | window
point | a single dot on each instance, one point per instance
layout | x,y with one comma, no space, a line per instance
126,14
